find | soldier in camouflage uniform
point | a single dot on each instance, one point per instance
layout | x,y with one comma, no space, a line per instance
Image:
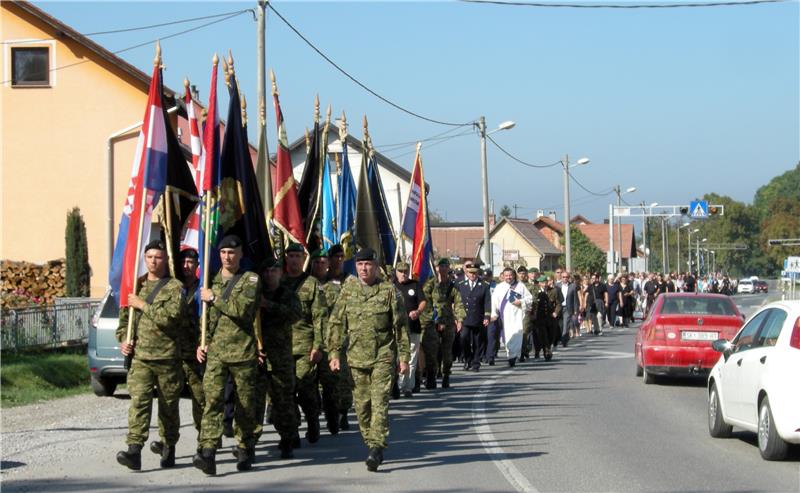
344,380
371,313
307,343
189,340
527,322
440,320
230,349
280,308
157,307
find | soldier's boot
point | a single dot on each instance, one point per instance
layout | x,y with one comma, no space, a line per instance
285,446
206,461
374,458
131,458
167,456
157,447
446,381
332,421
395,390
244,458
296,440
227,429
430,378
343,423
312,434
417,382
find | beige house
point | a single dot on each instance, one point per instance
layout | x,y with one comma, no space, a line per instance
519,242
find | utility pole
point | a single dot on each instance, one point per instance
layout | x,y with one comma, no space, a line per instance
644,240
567,236
487,246
515,211
261,82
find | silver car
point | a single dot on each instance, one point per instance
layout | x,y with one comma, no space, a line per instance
106,363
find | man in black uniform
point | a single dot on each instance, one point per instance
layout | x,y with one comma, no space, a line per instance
414,302
476,296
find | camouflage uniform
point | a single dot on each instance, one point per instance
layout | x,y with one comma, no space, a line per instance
307,335
155,362
372,318
328,380
438,321
231,349
344,380
281,311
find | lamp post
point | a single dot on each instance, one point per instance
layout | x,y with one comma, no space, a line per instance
644,237
697,243
567,237
684,225
689,248
619,193
481,124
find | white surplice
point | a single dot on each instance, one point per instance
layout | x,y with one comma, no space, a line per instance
511,316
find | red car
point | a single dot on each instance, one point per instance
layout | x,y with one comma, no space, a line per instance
676,336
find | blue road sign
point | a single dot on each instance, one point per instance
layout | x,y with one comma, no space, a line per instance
698,209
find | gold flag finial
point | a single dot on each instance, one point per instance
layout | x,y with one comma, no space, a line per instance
308,139
274,84
157,58
419,146
225,72
215,59
186,82
230,60
244,111
343,128
328,115
316,108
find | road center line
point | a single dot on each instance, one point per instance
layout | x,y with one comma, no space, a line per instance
507,468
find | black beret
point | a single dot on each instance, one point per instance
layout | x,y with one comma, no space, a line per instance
443,261
230,241
155,245
269,263
295,247
335,249
189,253
521,269
366,254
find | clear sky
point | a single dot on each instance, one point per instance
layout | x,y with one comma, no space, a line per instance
676,102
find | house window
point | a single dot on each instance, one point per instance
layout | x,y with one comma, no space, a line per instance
30,66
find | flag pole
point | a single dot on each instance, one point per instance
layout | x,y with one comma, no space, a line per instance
206,253
168,211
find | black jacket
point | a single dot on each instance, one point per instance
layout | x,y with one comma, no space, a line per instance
477,301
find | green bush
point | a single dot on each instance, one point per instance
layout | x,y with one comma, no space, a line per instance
77,254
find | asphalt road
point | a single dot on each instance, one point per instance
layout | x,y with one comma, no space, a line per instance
582,422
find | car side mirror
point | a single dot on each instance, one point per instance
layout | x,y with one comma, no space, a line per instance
722,346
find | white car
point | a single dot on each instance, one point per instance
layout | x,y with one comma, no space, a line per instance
745,286
754,384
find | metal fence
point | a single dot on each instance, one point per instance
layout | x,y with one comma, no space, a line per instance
62,324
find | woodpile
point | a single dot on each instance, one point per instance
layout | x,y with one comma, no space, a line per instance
25,283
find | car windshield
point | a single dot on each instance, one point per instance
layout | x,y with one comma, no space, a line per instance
694,305
110,308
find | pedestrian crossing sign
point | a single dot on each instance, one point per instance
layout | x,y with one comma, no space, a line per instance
698,209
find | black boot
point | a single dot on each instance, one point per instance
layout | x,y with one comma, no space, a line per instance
227,429
512,362
244,458
430,379
548,354
132,458
206,461
395,390
296,443
167,456
332,422
374,459
157,447
285,446
446,381
312,434
344,425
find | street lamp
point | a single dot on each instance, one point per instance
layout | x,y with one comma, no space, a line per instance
644,235
698,254
619,193
567,239
689,248
684,225
481,124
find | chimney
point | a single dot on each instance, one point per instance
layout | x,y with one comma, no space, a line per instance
195,93
539,213
552,215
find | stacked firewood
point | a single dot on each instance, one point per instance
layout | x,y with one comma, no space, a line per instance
26,283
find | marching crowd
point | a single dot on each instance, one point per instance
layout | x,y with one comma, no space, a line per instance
300,338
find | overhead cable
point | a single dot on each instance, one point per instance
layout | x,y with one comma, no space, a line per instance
520,161
654,5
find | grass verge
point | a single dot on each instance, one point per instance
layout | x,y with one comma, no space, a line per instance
35,377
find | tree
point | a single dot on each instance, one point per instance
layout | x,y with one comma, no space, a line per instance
782,186
586,257
783,222
77,256
505,211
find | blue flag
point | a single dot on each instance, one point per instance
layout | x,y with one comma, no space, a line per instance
328,214
347,212
382,215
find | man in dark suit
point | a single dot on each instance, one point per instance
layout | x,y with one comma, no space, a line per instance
476,296
568,299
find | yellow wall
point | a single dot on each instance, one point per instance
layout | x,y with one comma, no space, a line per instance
508,239
54,152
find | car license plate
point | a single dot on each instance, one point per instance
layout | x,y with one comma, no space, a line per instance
687,335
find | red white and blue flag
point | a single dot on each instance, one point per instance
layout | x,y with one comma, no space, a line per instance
190,237
415,224
209,172
148,182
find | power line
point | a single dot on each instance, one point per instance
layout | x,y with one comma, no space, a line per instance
520,161
438,136
139,28
624,5
361,84
440,141
596,194
139,45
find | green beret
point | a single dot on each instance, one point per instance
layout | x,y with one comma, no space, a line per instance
542,279
533,270
295,247
319,253
444,261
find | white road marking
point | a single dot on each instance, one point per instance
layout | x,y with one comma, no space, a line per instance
610,354
507,468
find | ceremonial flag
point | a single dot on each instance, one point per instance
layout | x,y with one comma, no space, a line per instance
190,237
382,215
287,215
148,182
415,223
308,193
241,212
264,173
328,208
209,179
346,213
366,226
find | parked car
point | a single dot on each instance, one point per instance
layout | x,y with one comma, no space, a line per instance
760,287
754,383
745,286
106,363
676,336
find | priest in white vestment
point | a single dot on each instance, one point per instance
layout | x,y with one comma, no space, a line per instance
510,300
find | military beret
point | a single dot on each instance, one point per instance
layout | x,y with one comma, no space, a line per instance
366,254
270,263
533,270
401,266
542,279
319,253
335,249
295,247
230,241
488,273
472,270
188,253
521,269
155,245
443,261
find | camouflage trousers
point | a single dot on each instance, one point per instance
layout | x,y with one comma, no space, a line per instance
434,342
371,394
166,376
305,385
278,385
245,380
193,372
337,391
